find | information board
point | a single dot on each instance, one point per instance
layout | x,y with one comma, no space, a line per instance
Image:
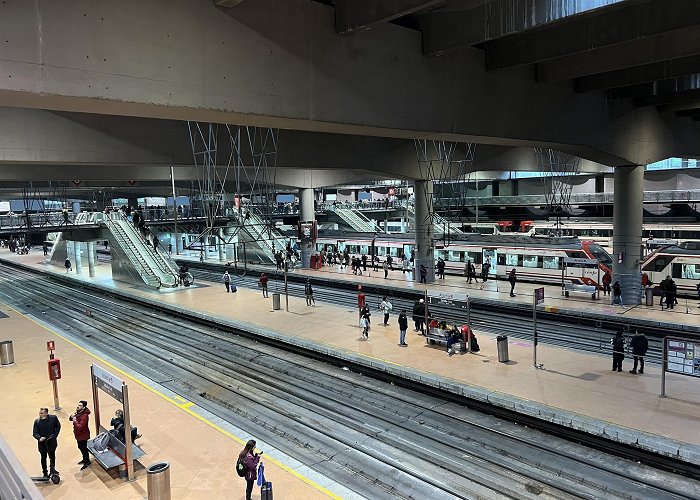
108,383
451,299
683,357
539,295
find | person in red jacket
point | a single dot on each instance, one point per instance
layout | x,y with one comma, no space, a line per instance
81,430
607,279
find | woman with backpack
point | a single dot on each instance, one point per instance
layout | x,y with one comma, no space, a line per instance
247,466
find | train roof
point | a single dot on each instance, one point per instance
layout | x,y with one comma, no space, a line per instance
685,248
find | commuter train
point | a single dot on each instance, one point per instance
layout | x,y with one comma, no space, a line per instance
538,259
680,262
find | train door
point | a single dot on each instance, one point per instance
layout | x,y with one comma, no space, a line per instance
491,253
407,249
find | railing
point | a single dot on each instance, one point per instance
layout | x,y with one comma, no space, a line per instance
439,222
255,225
357,221
14,481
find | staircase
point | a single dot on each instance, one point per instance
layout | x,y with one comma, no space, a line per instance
357,220
257,228
439,223
154,269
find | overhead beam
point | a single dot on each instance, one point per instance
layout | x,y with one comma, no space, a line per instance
601,28
359,15
670,45
228,3
669,98
639,74
688,112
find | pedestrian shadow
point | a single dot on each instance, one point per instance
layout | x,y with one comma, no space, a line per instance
586,377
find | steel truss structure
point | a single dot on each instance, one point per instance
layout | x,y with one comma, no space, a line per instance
557,170
232,155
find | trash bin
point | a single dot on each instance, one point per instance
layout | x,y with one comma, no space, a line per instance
276,302
158,481
502,346
7,353
649,294
313,262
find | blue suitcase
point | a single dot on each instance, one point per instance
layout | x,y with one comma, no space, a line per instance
266,491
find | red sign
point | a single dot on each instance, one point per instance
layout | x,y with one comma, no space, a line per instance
392,191
50,345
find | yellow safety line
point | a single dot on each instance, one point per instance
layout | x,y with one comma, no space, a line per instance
183,406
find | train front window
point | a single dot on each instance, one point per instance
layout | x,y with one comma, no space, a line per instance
599,253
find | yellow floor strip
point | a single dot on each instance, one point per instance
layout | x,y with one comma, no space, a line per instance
183,406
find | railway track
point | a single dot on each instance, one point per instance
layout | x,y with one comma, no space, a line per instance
380,440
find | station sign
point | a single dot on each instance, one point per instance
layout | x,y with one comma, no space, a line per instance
539,295
683,357
451,299
108,383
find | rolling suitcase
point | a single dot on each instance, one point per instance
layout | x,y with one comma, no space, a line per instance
266,491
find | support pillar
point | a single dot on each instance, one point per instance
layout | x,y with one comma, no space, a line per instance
220,244
424,253
91,258
627,231
78,260
307,214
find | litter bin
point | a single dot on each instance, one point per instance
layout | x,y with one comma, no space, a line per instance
276,302
502,346
313,262
7,353
649,294
158,481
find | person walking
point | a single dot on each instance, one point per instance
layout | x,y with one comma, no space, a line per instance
170,249
364,323
639,345
403,326
607,279
263,284
472,273
250,461
618,348
227,281
404,265
485,272
361,302
309,293
511,280
386,308
46,430
423,274
81,431
617,294
385,266
45,247
390,261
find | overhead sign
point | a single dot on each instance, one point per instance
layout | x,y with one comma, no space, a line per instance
108,383
539,295
683,357
580,262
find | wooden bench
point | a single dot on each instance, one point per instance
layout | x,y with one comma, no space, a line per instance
570,287
115,454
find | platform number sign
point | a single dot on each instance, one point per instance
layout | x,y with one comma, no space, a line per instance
539,295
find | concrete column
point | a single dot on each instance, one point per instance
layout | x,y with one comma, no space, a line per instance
91,258
627,231
78,261
423,192
306,214
220,244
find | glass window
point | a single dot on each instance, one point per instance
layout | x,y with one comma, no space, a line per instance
690,271
550,262
511,260
529,260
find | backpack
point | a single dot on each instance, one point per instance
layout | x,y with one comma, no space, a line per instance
101,442
233,288
241,469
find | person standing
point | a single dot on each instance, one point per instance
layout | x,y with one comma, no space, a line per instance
364,323
309,293
170,249
81,431
250,461
386,308
390,261
607,279
618,348
404,265
423,274
472,273
671,290
263,284
45,247
361,302
403,326
364,262
385,266
227,281
511,280
639,345
46,430
485,272
155,242
617,294
421,316
68,265
441,268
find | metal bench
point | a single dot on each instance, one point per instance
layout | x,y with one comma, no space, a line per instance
437,336
570,287
114,455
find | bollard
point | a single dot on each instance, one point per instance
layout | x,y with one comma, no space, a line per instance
7,353
158,481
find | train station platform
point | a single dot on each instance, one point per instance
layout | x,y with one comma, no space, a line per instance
574,389
200,448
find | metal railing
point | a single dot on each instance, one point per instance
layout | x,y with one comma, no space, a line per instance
14,481
356,220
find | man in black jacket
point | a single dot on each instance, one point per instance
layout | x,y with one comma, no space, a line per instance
403,326
639,345
46,430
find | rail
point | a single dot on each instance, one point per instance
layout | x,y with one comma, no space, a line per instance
14,481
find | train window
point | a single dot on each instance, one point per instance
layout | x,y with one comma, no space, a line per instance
690,271
550,262
657,265
455,256
511,259
530,260
501,260
676,270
